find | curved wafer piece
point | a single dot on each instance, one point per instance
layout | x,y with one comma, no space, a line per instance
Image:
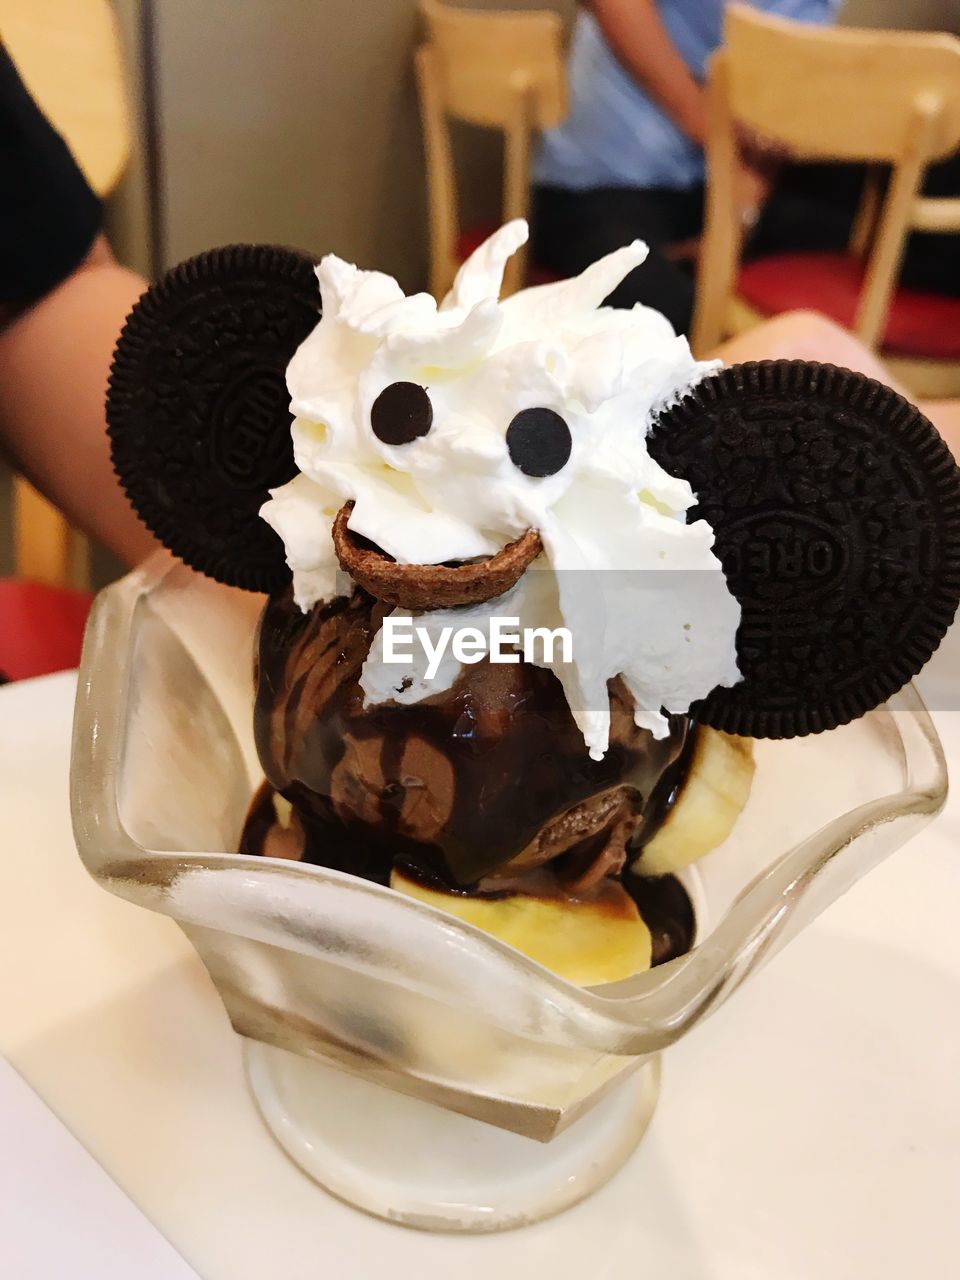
431,586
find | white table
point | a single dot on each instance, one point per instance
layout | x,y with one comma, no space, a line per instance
812,1128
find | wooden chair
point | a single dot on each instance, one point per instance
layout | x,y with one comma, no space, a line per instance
69,56
501,70
881,97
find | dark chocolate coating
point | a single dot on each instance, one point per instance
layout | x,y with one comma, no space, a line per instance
401,413
539,442
490,778
662,901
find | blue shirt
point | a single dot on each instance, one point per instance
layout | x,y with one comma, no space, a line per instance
615,135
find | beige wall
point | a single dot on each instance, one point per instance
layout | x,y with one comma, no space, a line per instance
292,121
924,15
296,121
126,212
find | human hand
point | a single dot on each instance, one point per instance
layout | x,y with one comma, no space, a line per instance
759,161
751,191
758,152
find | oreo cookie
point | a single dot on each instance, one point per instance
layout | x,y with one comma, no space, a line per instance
836,508
198,411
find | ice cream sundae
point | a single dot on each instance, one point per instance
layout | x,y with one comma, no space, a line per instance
505,487
484,460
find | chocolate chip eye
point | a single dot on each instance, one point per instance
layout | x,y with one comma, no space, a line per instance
539,442
401,413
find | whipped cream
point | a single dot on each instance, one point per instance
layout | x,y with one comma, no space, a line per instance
640,589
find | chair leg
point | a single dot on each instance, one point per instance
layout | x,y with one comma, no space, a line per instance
893,225
41,537
441,187
516,179
722,236
868,213
78,560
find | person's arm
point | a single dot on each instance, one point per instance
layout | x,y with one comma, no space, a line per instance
806,335
54,361
636,34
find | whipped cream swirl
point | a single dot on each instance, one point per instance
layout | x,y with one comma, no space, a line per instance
640,589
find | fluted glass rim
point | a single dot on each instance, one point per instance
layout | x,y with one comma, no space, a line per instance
641,1016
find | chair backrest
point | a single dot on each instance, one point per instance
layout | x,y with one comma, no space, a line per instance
839,93
501,70
69,55
828,94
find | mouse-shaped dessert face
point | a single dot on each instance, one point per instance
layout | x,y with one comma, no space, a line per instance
455,429
773,547
511,433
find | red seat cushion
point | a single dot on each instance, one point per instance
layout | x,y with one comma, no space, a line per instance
41,628
473,237
922,325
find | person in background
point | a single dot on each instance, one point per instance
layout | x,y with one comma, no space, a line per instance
627,162
807,335
63,301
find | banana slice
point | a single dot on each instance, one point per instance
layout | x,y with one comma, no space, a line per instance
589,942
715,790
283,809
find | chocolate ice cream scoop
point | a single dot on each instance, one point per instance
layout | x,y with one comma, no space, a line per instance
486,780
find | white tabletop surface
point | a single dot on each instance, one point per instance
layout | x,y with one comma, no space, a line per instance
810,1129
61,1214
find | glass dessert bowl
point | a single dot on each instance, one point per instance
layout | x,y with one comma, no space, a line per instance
413,1065
483,899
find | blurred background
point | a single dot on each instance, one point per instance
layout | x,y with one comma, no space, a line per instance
297,121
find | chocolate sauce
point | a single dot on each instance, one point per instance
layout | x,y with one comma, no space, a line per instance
483,788
664,796
261,817
662,901
461,784
666,908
